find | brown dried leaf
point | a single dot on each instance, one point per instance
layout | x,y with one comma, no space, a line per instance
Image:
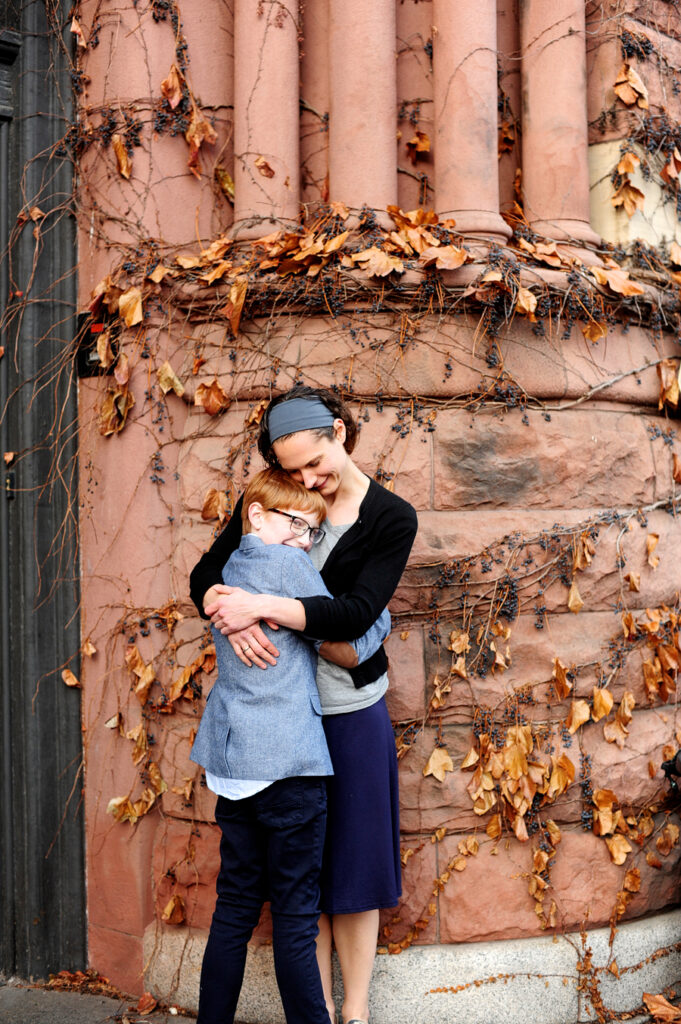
122,156
632,880
438,764
594,330
69,678
198,132
88,648
651,543
130,307
263,167
376,263
629,198
212,398
418,144
171,87
122,370
445,257
669,371
225,182
146,1003
661,1009
618,847
628,163
675,254
114,412
9,457
78,33
158,784
237,296
561,683
634,581
174,910
459,863
630,88
215,505
617,280
575,603
580,712
602,703
168,380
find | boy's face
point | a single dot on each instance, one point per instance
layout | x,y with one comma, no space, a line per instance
277,527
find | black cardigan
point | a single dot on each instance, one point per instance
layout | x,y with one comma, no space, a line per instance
362,572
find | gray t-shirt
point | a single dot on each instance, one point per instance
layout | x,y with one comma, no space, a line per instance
337,691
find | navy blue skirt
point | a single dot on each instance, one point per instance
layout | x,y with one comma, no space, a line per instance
361,867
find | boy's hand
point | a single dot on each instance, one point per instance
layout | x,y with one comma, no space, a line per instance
339,653
252,647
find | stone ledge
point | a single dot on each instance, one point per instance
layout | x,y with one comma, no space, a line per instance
517,981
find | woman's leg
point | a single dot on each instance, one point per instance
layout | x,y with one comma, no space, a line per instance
324,946
355,936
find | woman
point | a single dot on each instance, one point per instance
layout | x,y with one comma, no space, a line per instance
310,433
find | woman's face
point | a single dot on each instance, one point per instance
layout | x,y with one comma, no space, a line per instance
316,462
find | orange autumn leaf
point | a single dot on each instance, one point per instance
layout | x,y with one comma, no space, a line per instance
199,131
130,307
263,167
174,910
651,543
235,305
376,263
438,764
629,198
634,581
122,156
669,372
146,1003
661,1009
171,87
630,88
594,330
617,280
602,703
561,683
418,144
580,712
77,31
113,414
168,380
212,397
215,505
445,257
618,847
69,678
628,163
575,603
632,880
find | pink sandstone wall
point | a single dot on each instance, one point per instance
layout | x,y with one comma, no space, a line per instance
510,449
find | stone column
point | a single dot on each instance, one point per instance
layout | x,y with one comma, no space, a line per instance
266,128
555,135
363,103
465,88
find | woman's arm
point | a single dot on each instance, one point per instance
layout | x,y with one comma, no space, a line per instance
349,615
208,570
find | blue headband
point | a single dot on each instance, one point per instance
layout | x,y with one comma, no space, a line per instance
297,414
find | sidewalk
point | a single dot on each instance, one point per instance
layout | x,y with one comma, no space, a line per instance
22,1003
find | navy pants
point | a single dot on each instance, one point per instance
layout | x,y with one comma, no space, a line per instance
271,849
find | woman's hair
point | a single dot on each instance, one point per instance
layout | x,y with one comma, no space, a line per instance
275,489
333,403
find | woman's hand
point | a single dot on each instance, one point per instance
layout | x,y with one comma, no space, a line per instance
232,608
252,647
233,612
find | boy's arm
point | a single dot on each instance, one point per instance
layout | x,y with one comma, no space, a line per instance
348,654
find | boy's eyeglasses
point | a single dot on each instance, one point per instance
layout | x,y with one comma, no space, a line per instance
299,527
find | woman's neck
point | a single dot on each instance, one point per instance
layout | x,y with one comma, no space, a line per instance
343,504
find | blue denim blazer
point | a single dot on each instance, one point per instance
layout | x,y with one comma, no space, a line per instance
266,724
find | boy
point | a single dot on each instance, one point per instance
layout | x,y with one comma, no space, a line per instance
262,744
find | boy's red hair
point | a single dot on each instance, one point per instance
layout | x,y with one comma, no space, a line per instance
275,489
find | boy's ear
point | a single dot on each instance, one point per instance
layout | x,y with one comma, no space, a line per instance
255,514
